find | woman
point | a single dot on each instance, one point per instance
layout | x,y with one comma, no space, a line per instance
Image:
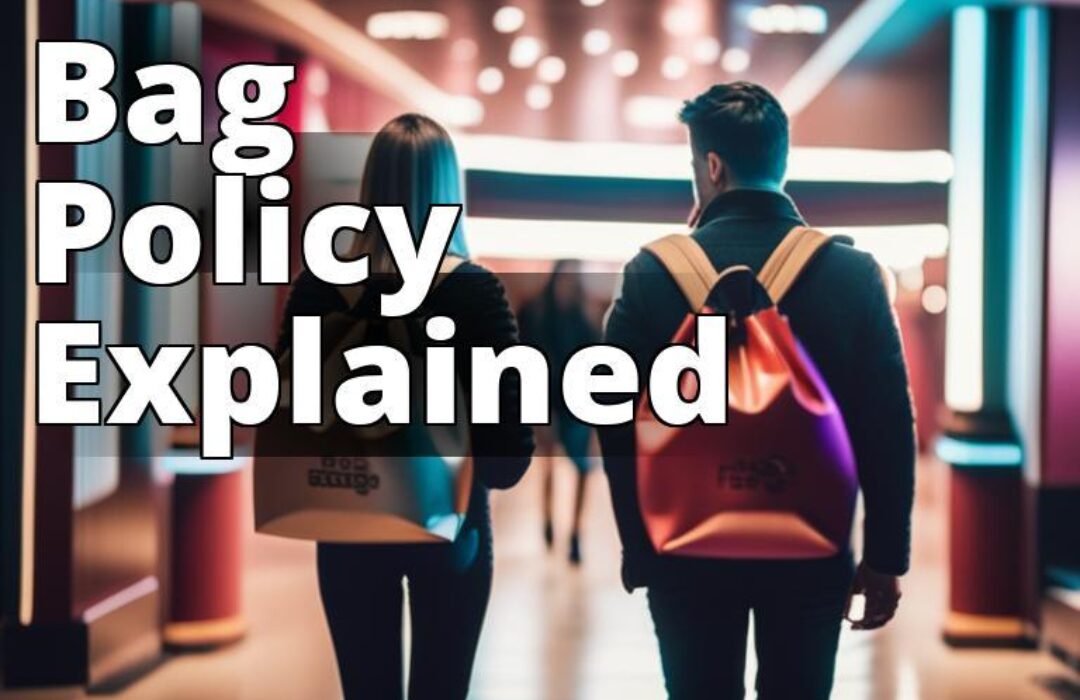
556,322
412,162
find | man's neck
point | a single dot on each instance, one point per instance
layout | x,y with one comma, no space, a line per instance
754,187
748,202
758,186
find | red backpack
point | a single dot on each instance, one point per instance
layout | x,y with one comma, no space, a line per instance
778,481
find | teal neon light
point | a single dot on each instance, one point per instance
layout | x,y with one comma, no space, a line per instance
971,453
964,323
189,462
1027,234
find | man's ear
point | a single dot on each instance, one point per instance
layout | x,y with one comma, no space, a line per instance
717,170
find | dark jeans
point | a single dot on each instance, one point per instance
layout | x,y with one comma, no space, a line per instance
449,585
702,625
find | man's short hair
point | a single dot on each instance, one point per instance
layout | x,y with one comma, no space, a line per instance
743,124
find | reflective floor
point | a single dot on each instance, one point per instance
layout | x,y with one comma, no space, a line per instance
557,633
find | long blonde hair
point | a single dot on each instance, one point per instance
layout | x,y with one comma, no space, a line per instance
411,162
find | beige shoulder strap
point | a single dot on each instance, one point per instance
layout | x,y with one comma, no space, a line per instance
351,294
448,265
789,259
689,266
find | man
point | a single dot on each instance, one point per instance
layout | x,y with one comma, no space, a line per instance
840,310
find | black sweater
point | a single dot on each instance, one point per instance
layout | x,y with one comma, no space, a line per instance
840,311
475,299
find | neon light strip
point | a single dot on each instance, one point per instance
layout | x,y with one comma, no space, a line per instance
835,53
189,462
645,161
29,440
536,239
1065,596
967,453
964,325
141,588
1031,119
616,241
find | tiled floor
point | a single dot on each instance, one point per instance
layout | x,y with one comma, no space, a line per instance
555,633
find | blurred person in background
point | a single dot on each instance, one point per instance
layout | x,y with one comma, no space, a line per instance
839,309
556,322
412,162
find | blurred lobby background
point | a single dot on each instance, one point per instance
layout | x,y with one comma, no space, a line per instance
942,136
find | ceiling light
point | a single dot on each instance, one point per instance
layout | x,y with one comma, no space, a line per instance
407,24
934,299
525,51
674,67
652,111
592,3
490,80
706,50
788,19
812,19
735,60
596,42
760,20
682,20
551,69
785,19
508,19
538,96
624,63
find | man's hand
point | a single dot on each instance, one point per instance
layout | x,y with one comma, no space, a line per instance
882,593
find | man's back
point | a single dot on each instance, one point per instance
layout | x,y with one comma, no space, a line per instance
839,310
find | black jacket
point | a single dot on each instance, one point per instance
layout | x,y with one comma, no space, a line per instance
840,311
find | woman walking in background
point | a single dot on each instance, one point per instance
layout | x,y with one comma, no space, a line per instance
557,323
412,162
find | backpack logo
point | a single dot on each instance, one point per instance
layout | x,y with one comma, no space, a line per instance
771,474
344,473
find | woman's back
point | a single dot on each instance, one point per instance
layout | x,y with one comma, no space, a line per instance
411,163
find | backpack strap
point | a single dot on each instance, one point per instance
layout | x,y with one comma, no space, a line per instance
789,259
688,265
448,265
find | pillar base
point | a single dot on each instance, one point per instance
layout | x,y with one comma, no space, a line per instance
111,644
204,634
994,631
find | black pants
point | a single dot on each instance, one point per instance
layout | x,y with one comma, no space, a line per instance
449,585
702,627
